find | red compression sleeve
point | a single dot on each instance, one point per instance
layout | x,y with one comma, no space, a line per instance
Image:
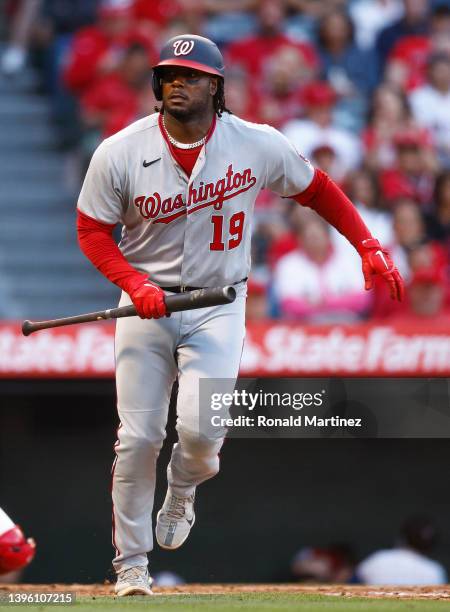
331,203
96,242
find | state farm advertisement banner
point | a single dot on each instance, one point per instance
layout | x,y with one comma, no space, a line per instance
347,350
271,349
77,351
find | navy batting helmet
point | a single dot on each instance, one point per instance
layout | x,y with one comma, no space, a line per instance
189,51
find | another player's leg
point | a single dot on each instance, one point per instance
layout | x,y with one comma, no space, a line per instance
212,349
145,371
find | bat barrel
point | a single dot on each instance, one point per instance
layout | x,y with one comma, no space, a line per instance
200,298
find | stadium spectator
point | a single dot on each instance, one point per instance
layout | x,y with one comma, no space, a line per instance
121,97
431,105
333,564
98,50
428,255
352,72
364,193
166,578
317,129
59,17
412,251
257,307
324,156
426,296
408,563
44,28
429,265
371,16
279,93
438,220
407,63
159,14
241,96
191,20
272,237
411,236
229,20
53,30
307,286
252,54
389,115
14,56
315,10
410,232
158,21
303,16
412,174
414,22
285,240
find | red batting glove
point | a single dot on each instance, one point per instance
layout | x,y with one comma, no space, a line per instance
376,260
149,301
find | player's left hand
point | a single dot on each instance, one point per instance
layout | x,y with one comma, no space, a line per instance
377,261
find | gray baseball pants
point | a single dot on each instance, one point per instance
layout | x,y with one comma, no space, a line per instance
150,355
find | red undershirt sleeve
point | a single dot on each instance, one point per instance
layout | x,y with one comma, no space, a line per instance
331,203
97,243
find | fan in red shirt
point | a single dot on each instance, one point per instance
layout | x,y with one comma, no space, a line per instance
407,62
425,299
98,50
160,13
121,97
411,177
280,96
158,18
253,53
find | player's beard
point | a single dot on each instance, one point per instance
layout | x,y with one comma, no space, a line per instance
198,109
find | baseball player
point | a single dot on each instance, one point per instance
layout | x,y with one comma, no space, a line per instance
16,551
182,183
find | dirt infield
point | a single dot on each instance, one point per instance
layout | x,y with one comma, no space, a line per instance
99,590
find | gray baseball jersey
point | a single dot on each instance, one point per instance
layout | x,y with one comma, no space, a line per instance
190,231
181,231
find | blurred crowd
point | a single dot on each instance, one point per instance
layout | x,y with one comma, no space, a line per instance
408,562
361,87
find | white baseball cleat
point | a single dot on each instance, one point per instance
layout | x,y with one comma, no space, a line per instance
133,581
174,521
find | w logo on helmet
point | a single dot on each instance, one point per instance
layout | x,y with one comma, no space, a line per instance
183,47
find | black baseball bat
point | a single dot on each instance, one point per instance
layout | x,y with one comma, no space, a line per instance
190,300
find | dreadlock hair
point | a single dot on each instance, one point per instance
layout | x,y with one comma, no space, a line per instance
218,100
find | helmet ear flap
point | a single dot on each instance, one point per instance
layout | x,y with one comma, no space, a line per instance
157,85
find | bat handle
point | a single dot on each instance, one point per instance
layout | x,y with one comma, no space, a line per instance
28,327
